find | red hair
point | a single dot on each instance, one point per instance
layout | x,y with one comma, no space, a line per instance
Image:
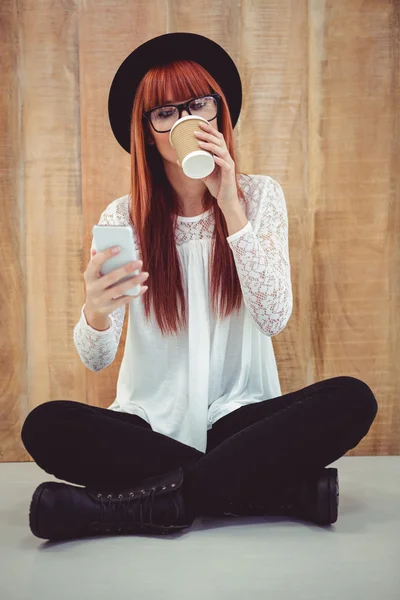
154,207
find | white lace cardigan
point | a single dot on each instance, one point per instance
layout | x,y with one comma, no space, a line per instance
182,384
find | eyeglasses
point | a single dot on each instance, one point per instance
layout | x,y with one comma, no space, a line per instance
162,118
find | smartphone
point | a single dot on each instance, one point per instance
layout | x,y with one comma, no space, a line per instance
106,236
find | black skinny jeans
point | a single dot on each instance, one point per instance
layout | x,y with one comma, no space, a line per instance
251,453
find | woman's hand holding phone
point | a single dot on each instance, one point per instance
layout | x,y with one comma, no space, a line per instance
101,299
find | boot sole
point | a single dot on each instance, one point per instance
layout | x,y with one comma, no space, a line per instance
33,510
328,497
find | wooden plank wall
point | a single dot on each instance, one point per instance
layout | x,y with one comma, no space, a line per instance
320,115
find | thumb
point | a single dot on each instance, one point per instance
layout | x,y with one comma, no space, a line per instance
178,163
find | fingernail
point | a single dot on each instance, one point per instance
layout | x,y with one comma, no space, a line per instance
115,249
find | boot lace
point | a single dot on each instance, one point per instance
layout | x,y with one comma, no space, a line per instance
126,512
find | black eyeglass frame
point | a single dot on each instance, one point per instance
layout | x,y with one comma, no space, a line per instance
181,107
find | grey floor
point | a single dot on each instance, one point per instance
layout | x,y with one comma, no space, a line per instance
231,558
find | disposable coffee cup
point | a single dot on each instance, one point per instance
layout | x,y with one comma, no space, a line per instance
195,162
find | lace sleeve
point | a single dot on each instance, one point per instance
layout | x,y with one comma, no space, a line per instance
262,260
97,349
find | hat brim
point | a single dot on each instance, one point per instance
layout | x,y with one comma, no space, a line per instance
162,50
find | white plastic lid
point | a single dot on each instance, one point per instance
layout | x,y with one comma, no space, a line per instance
198,164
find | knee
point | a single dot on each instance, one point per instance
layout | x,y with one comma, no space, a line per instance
358,398
39,419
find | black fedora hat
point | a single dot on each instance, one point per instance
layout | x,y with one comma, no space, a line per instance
162,50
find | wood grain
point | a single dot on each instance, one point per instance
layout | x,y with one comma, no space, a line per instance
320,115
49,87
351,203
14,397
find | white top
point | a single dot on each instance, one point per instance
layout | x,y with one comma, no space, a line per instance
184,383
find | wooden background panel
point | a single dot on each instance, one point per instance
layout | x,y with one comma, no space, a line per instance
390,380
274,142
349,288
320,115
14,397
52,189
108,32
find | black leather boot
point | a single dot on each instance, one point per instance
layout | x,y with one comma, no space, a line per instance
61,511
314,498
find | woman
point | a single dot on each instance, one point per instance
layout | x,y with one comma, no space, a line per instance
199,425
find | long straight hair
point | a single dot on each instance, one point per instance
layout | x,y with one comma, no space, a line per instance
154,205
